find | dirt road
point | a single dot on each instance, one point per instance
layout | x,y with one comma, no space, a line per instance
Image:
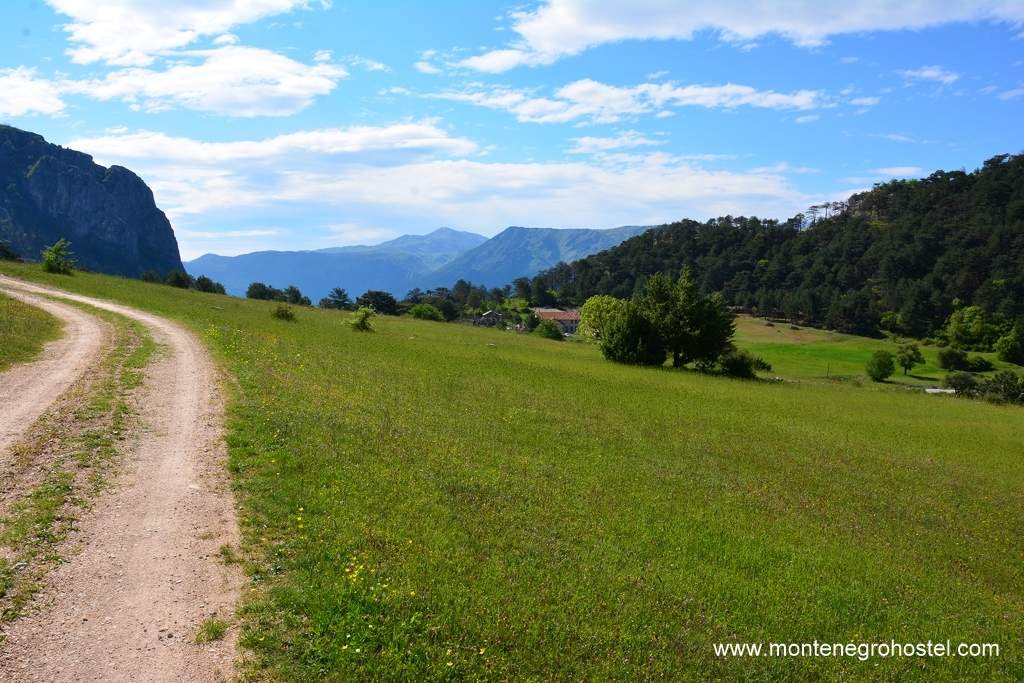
27,390
126,606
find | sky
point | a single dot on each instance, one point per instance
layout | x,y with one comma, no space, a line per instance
302,124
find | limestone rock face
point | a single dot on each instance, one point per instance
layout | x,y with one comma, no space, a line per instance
108,214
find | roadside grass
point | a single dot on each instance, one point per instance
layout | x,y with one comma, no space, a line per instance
211,629
442,502
63,463
24,330
813,354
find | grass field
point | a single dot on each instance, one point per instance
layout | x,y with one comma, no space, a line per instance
24,330
435,501
810,354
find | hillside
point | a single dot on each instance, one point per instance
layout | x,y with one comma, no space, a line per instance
393,266
428,492
909,246
108,214
517,252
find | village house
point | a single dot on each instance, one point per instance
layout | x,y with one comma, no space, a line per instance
569,320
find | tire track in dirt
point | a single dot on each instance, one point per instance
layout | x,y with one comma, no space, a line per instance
127,606
28,389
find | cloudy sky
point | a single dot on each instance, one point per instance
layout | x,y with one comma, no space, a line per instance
297,124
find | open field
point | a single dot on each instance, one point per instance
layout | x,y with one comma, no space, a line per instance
24,330
811,354
439,501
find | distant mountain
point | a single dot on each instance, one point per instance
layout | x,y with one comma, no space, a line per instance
434,249
108,214
437,259
518,252
395,266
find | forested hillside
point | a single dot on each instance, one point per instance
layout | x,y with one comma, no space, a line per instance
918,248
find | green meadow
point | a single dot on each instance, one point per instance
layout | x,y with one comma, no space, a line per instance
24,330
433,501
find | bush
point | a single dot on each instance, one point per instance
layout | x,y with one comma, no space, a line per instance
205,284
151,276
426,312
179,279
979,364
1010,347
283,312
549,329
6,253
964,383
952,359
1005,386
58,257
361,319
631,338
880,366
742,364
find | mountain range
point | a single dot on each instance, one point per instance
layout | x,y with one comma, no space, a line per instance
437,259
48,192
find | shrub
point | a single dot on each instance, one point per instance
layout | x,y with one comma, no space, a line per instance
549,329
6,253
952,359
631,338
1005,386
1010,347
964,383
283,312
978,364
742,364
58,257
179,279
361,319
880,366
426,312
151,276
205,284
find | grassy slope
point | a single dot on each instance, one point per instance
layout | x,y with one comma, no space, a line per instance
808,353
24,330
436,501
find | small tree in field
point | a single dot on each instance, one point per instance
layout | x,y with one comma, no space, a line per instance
361,319
58,257
908,356
880,366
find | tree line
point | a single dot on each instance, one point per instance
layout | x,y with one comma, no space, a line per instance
904,256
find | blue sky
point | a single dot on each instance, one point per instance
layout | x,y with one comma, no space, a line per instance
296,124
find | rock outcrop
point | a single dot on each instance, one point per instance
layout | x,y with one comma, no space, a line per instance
108,214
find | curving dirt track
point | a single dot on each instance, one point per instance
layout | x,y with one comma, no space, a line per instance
27,390
127,605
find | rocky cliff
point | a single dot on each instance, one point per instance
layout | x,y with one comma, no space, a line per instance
108,214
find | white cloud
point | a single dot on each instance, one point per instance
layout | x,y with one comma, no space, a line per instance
412,139
560,28
898,137
1012,94
410,177
865,101
898,171
808,118
629,139
22,92
934,73
231,80
131,32
425,67
601,103
218,234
